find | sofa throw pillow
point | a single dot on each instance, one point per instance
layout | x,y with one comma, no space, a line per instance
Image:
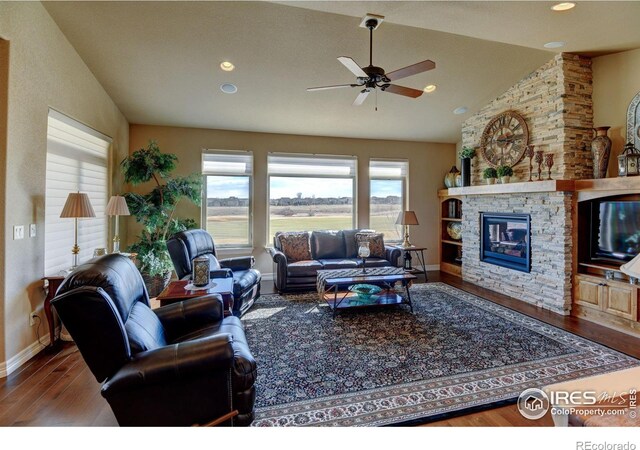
376,243
295,246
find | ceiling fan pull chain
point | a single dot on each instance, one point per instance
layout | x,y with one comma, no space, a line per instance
376,100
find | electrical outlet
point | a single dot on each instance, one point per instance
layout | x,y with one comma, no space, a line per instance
32,318
18,232
32,230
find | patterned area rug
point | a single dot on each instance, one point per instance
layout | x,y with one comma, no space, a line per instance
388,366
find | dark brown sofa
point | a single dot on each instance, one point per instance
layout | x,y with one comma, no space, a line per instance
329,250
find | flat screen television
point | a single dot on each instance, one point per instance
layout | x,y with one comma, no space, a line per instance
615,230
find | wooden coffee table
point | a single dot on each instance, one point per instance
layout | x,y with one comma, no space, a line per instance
333,287
176,292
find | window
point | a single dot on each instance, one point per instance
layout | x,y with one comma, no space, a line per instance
77,160
226,208
311,192
387,196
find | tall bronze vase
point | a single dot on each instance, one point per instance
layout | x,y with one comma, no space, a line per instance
601,151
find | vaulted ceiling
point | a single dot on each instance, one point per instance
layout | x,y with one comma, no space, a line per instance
159,61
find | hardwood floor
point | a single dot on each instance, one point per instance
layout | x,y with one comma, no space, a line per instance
56,388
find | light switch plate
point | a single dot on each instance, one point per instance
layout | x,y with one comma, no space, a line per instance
32,230
18,232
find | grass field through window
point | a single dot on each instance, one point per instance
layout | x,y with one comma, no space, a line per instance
228,225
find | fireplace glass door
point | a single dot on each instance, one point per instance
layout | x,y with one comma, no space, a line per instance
505,240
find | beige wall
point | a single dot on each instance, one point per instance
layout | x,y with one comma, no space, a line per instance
428,163
44,71
616,80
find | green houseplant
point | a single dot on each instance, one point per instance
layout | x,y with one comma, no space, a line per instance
505,173
466,155
490,175
156,209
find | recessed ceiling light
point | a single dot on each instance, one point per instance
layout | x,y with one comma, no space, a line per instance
430,88
228,88
555,44
227,66
460,110
564,6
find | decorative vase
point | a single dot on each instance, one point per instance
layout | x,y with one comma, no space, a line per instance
465,163
450,177
601,151
201,274
491,180
505,180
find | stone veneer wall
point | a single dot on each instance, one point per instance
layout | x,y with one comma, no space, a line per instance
549,283
555,101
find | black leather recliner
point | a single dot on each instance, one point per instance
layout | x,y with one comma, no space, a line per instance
182,364
187,245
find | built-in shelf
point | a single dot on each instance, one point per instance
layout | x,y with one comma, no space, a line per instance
452,219
601,267
515,188
446,241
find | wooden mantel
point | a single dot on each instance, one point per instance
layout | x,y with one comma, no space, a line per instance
515,188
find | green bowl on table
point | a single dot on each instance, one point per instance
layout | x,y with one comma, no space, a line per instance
365,292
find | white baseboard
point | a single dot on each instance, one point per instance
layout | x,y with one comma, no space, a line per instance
430,267
13,363
267,277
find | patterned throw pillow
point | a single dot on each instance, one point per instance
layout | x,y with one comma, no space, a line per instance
376,243
295,246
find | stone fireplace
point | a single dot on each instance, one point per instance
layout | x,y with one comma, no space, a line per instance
548,281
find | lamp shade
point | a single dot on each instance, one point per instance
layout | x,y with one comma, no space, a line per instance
117,206
632,268
77,205
407,218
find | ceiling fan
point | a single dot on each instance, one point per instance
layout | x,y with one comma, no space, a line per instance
371,77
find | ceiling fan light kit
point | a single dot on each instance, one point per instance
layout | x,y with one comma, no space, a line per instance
371,77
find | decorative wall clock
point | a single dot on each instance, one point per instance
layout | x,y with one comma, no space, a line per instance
505,139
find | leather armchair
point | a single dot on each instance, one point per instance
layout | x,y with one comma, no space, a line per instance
185,246
179,365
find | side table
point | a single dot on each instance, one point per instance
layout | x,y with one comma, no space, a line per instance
419,251
175,292
50,286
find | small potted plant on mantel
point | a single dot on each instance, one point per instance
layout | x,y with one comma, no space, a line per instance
466,155
504,173
490,175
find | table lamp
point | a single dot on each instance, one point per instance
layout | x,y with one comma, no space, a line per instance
632,268
407,218
77,206
117,206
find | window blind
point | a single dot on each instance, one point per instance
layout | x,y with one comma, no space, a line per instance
312,165
77,160
219,162
388,169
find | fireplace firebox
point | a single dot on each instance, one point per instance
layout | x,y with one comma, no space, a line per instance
505,240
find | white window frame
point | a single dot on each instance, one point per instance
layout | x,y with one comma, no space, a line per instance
66,150
250,175
405,184
312,156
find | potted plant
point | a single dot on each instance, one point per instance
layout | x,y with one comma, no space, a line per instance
504,173
156,210
490,175
466,155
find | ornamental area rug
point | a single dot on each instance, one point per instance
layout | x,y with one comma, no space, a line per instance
386,366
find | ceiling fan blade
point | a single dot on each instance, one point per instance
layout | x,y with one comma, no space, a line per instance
401,90
411,70
361,97
353,66
335,86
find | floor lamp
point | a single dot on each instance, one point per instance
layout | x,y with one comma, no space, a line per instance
117,206
77,206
